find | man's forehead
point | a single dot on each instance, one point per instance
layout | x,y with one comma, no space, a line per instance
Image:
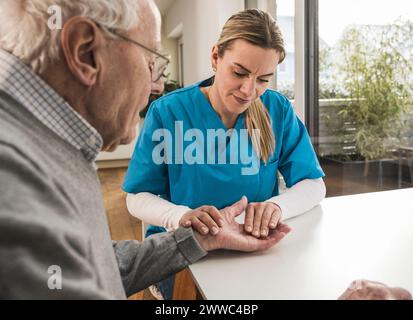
152,38
150,26
150,18
148,36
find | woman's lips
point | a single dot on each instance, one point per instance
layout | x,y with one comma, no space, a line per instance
240,100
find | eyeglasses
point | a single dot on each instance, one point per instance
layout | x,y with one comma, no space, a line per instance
161,62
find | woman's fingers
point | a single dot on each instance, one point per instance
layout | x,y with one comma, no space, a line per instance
199,226
266,217
275,219
260,218
258,212
186,223
214,214
206,219
249,219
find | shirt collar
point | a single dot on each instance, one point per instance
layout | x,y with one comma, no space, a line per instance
19,81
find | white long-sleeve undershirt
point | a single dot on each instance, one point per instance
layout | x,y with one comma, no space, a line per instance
300,198
296,200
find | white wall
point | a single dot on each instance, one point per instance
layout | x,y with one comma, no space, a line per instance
201,22
170,46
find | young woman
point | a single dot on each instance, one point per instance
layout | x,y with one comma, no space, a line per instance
178,176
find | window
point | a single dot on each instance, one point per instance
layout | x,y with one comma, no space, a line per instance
365,99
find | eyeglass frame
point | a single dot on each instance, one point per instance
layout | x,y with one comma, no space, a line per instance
159,55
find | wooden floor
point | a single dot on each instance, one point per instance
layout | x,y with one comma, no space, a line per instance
122,225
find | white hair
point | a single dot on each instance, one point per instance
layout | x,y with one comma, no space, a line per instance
24,30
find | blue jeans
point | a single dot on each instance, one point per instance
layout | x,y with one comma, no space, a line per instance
166,286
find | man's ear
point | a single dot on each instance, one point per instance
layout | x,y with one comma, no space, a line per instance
214,57
79,40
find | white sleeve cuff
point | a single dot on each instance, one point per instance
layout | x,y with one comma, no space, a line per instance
300,198
154,210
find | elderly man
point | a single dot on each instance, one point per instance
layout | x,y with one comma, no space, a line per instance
64,96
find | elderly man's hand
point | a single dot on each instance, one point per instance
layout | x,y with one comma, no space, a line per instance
370,290
232,235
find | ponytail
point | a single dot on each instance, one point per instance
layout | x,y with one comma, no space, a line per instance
259,126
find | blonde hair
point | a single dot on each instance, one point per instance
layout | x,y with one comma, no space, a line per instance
24,30
258,28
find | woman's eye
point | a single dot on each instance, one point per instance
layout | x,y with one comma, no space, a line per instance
243,75
240,75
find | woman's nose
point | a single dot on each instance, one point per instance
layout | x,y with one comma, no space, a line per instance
248,87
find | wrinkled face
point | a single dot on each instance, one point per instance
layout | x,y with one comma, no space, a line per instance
127,84
136,85
243,74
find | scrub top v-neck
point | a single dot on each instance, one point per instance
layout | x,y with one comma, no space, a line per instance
213,182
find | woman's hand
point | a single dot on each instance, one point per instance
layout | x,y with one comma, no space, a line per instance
205,219
261,217
232,235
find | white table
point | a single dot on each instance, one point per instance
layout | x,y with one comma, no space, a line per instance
367,236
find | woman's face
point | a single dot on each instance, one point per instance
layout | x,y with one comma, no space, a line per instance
243,74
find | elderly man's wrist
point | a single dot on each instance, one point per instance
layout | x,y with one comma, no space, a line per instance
207,242
189,245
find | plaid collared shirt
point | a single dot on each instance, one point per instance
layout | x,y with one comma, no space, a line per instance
19,81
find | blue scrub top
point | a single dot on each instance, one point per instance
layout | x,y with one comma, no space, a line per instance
220,185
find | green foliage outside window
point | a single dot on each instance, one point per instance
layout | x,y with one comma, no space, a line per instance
376,75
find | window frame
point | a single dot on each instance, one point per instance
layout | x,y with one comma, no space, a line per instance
311,65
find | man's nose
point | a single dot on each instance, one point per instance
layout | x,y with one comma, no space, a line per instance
248,87
158,87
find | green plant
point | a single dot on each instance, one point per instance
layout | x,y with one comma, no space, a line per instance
170,85
376,66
